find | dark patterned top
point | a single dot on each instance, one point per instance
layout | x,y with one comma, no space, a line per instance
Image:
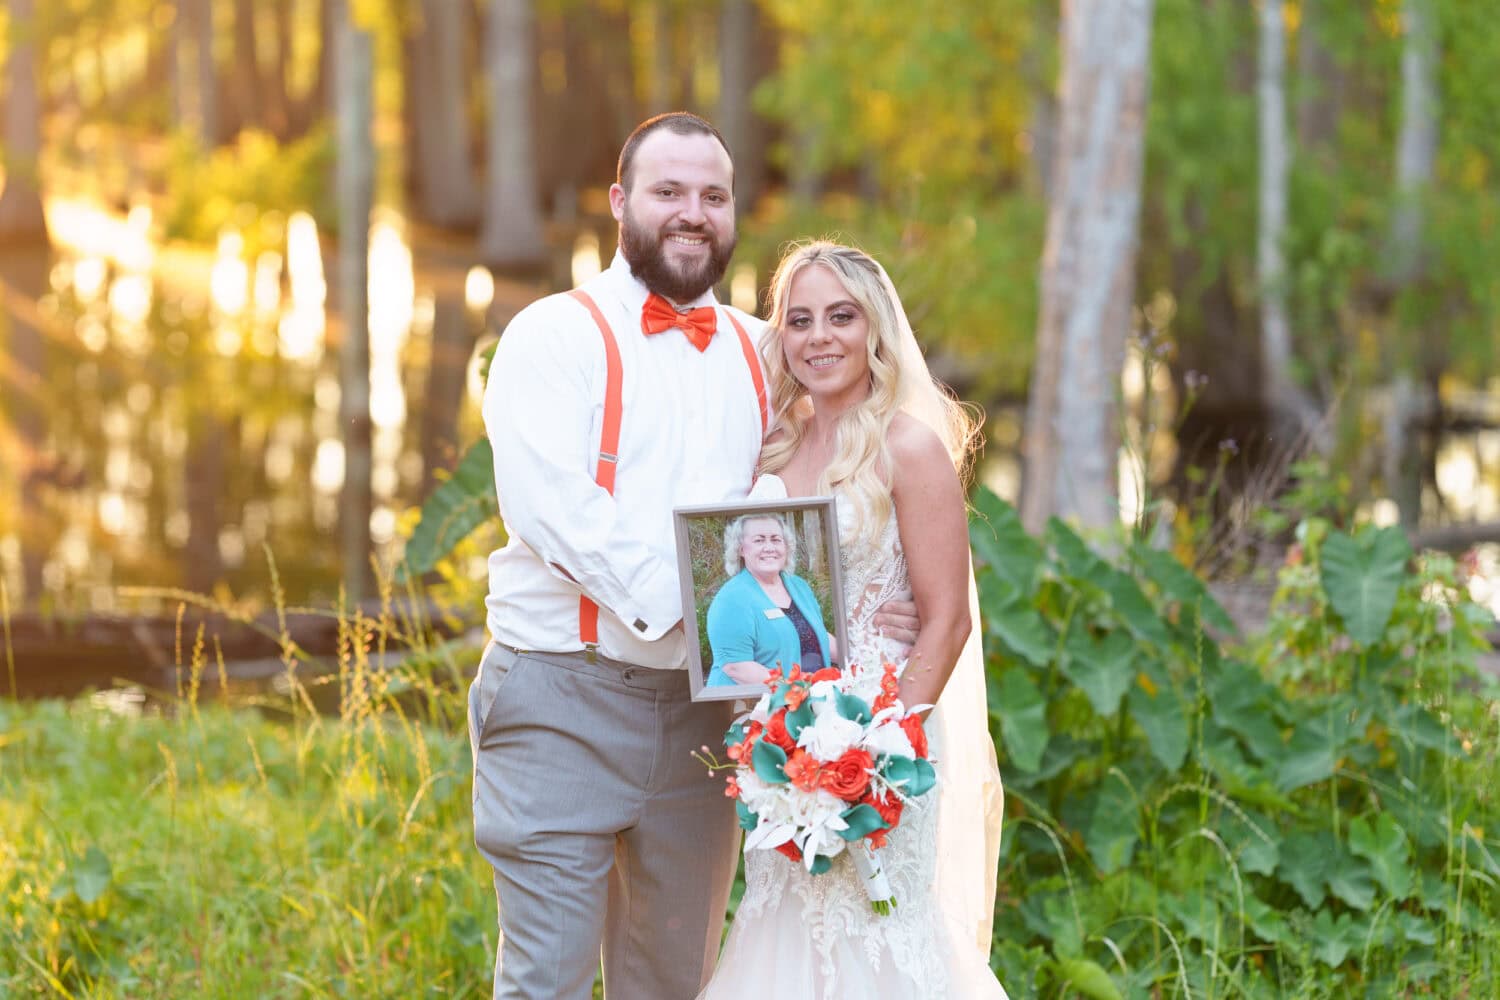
812,651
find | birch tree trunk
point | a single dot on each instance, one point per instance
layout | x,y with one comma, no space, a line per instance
1279,392
1406,448
1072,437
511,236
353,71
447,187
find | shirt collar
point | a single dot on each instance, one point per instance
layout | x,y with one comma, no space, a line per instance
633,291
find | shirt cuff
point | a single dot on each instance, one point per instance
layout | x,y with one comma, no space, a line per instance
655,605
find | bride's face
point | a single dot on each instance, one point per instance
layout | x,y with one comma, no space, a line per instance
826,335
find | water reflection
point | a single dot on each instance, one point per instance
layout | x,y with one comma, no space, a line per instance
192,392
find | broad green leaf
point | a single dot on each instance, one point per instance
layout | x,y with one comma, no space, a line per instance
1179,584
1242,702
1089,978
1078,561
1001,542
459,505
1130,603
1112,833
1383,844
1158,709
1418,727
1332,939
1310,758
1349,879
91,875
1023,719
1102,669
1304,860
1266,922
1012,619
1416,929
1361,575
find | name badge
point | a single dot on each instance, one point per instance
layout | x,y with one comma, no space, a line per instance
774,613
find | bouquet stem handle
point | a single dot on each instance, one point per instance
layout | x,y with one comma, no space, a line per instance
872,874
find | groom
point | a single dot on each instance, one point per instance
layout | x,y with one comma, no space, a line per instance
607,407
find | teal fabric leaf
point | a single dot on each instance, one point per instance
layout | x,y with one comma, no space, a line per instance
863,820
769,762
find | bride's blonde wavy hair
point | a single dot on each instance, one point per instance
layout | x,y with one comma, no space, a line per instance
899,381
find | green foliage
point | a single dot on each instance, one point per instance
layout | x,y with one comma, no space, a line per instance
1309,811
462,502
235,184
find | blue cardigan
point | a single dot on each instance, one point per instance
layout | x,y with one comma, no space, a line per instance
739,630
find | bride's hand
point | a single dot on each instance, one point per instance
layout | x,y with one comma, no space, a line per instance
898,622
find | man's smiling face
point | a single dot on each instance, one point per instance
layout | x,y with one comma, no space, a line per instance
677,219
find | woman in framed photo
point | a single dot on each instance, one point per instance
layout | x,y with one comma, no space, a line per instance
765,616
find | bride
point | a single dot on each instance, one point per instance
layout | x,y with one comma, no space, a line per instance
859,417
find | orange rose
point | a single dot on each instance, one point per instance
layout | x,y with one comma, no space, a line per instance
826,674
912,727
849,776
777,734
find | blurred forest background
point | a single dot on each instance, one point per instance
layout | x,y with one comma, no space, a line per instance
1291,249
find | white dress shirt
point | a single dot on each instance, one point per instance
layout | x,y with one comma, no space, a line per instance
690,433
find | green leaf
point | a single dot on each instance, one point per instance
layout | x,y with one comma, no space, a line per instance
1242,702
1416,929
863,820
1385,846
1361,575
769,762
1179,584
1158,709
1303,859
1349,879
1012,619
1310,758
1077,559
1332,939
459,505
1102,669
1001,543
1112,833
1130,603
1023,719
1089,978
91,875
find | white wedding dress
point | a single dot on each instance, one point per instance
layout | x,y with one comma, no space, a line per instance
798,936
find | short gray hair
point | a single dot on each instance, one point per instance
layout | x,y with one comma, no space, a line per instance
734,534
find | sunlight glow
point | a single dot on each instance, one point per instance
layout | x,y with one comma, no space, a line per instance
742,288
328,467
586,257
1458,476
479,289
229,282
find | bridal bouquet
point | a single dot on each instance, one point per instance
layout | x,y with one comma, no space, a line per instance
824,763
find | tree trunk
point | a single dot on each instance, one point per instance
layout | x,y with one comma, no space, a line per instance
511,236
1406,451
244,68
443,175
205,469
742,38
1284,401
21,218
1072,437
356,173
195,91
278,103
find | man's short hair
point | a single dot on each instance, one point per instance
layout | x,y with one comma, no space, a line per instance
676,122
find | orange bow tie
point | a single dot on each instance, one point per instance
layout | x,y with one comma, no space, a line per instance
699,324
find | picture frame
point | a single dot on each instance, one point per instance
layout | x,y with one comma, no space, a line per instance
747,626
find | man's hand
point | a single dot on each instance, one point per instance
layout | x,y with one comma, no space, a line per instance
897,620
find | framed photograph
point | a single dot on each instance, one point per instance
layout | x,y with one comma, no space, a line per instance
761,589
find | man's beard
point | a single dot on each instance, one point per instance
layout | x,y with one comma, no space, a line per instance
646,253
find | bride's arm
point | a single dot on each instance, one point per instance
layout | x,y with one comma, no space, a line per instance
934,530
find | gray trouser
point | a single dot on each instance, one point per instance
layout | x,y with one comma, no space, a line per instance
600,825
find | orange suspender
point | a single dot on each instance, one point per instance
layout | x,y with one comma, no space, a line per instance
609,440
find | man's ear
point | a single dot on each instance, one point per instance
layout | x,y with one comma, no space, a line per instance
617,202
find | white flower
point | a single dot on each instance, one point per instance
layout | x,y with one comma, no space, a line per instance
888,739
830,734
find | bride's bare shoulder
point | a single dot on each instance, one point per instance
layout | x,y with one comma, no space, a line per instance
911,441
